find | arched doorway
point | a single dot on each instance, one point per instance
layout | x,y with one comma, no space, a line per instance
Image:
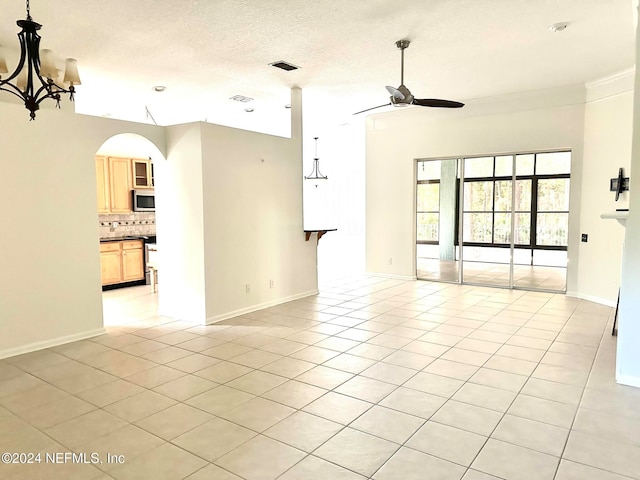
125,184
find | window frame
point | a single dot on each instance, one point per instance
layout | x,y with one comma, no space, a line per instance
532,245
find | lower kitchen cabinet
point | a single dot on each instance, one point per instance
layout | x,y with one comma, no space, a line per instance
132,261
122,261
111,263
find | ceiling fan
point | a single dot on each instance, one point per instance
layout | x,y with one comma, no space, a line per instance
401,96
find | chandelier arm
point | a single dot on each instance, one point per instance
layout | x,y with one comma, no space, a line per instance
38,100
37,93
23,51
53,95
48,87
14,91
33,59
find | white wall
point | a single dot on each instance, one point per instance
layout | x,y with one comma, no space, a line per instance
229,213
628,353
179,225
516,123
253,230
607,147
337,202
49,253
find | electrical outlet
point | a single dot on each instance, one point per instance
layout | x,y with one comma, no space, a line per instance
584,237
271,283
247,288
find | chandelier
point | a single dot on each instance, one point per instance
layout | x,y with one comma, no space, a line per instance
315,172
36,76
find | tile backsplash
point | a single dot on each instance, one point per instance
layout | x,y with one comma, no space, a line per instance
129,224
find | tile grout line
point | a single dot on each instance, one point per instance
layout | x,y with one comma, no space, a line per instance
360,342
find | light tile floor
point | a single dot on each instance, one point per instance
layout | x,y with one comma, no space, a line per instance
494,274
372,378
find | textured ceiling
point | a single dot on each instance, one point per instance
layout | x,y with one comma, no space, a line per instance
205,51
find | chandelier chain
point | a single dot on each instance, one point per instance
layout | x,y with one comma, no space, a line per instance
28,11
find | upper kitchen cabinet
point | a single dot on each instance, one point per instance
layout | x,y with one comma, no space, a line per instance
102,177
114,184
142,173
120,183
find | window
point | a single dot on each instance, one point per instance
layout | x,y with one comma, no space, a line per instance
540,207
552,223
428,208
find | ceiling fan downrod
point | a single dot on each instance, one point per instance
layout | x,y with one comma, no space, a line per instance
402,44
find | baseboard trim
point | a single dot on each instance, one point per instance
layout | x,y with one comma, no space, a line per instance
392,277
54,342
629,380
594,299
259,306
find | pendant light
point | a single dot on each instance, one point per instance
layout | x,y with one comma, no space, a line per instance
315,172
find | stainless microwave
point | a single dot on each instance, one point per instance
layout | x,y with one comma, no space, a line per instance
144,201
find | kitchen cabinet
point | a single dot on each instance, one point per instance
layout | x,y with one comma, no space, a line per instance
132,261
115,180
120,185
121,261
142,173
110,263
102,177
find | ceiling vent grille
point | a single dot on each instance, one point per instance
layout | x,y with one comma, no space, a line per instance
284,65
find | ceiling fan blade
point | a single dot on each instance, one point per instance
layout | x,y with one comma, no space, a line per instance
435,102
395,92
372,108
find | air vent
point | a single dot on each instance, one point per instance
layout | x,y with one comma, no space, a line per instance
282,65
241,98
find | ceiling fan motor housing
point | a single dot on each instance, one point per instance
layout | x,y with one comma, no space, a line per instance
401,102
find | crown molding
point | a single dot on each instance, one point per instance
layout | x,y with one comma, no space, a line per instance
614,84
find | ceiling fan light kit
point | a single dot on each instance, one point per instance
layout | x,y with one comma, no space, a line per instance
402,97
36,76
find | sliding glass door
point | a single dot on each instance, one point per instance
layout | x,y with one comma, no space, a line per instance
494,220
436,220
486,220
544,263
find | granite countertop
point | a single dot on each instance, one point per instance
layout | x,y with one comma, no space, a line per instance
131,237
